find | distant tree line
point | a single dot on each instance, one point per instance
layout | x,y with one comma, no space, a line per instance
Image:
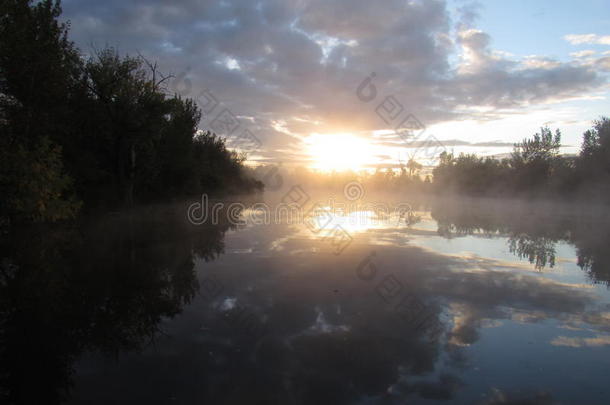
96,132
407,177
535,168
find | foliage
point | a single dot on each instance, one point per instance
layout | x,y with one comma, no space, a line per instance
593,163
470,174
533,159
104,129
34,185
38,71
413,166
535,168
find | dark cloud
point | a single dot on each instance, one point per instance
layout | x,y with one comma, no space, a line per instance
446,143
299,62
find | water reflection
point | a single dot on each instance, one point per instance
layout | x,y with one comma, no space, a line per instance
150,309
534,230
102,286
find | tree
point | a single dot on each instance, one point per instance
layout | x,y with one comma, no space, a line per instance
533,159
593,162
594,156
33,183
38,76
105,130
217,167
166,168
131,111
413,166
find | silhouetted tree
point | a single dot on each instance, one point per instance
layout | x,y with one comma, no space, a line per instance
103,131
593,162
39,68
533,160
413,166
470,174
129,113
535,168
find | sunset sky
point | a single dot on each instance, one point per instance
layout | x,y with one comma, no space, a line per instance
479,76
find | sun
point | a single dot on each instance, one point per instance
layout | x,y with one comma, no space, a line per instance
338,152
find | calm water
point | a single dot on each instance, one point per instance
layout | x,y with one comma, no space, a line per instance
467,302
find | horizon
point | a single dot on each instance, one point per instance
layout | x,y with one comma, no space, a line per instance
292,77
304,202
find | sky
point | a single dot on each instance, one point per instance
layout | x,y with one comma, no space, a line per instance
336,84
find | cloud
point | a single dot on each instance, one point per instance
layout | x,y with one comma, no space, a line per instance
578,39
599,340
300,62
398,143
539,62
582,54
603,63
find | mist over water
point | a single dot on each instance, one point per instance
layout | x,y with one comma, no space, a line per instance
229,202
458,300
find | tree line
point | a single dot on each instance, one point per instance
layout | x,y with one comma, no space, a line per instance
535,168
405,177
96,132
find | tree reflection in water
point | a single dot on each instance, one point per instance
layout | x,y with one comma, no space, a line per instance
534,230
105,287
101,286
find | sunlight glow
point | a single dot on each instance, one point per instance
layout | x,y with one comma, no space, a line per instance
338,152
353,222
